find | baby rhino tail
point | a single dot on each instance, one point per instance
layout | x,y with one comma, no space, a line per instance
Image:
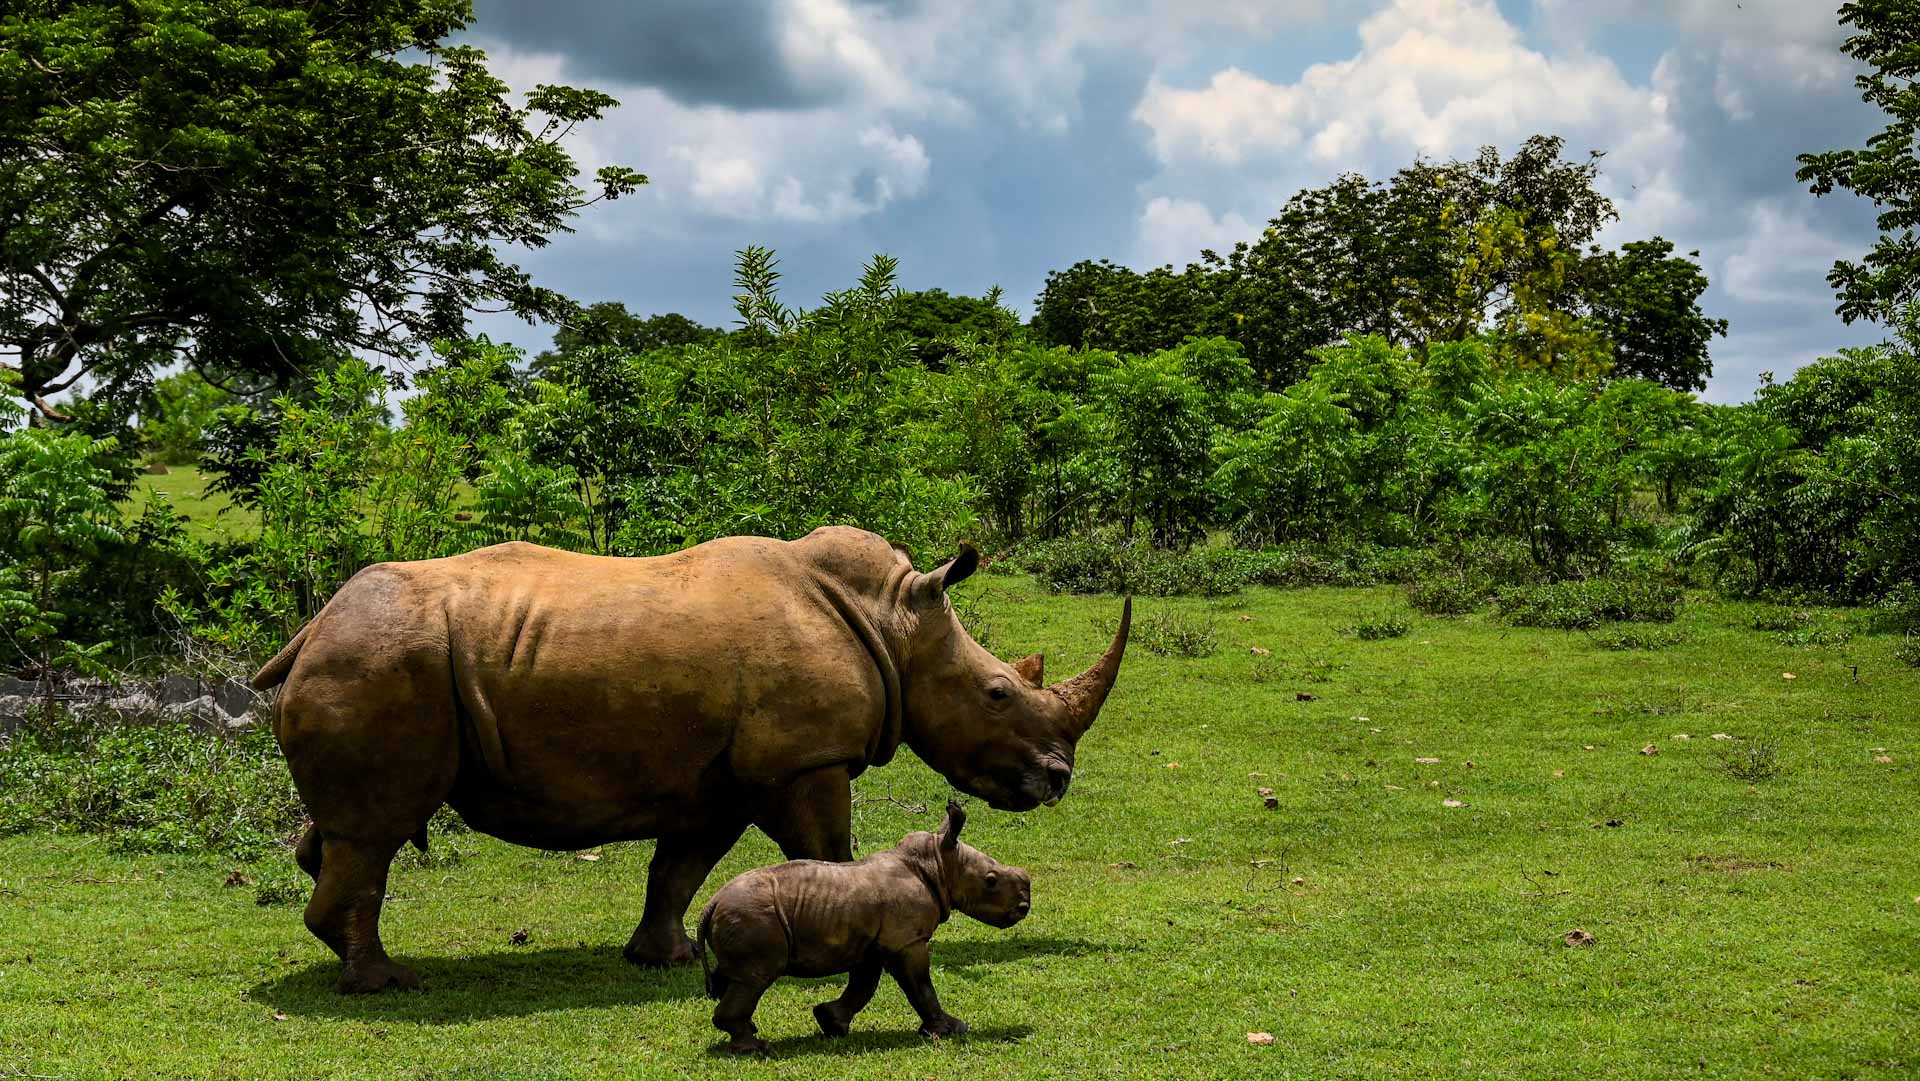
715,982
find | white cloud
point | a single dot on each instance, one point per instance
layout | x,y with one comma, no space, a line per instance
1175,231
1782,259
1432,77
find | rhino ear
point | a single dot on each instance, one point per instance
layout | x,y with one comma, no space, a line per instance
950,829
1033,669
934,583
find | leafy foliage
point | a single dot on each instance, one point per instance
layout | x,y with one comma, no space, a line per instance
260,185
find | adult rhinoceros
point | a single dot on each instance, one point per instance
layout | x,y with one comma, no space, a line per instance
563,700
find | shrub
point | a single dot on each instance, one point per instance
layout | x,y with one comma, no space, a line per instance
1908,652
1583,605
1753,760
1448,593
1165,633
161,787
1382,625
1781,619
1815,636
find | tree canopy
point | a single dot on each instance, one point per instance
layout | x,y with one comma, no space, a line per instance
1886,170
254,185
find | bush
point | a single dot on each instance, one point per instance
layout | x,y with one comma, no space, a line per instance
1166,633
1815,636
1382,625
1908,653
1447,593
1584,605
162,787
1752,761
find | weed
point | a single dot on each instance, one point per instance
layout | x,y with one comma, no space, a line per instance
1815,636
1381,625
1752,761
1779,618
1908,652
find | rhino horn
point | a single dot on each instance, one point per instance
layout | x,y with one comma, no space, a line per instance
1085,693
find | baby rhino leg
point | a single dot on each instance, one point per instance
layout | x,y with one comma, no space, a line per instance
836,1016
749,954
910,968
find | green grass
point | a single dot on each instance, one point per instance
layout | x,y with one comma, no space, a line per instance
208,517
1742,928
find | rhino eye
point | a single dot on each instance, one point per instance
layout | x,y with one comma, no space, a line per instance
993,877
998,693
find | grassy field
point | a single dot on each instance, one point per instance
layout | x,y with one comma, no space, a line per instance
207,516
1450,805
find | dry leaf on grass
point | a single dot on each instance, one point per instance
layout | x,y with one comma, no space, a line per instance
1265,792
1395,788
1559,773
1258,652
519,938
235,878
1468,763
1721,735
1427,761
1246,619
1299,880
1181,841
1260,1039
1650,749
1577,937
278,1016
588,857
1788,675
1272,803
1303,696
1587,747
1173,765
1124,865
1681,735
1451,803
1883,758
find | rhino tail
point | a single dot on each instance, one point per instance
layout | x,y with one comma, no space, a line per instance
714,982
274,672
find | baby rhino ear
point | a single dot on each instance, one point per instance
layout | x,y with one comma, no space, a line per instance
950,829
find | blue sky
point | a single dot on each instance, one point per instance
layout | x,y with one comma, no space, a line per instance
988,143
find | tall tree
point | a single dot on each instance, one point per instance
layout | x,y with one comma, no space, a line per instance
255,184
609,323
1887,39
1646,300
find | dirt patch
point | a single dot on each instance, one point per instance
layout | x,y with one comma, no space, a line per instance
1733,865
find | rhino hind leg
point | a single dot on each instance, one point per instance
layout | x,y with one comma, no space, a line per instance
681,863
734,1016
307,852
345,913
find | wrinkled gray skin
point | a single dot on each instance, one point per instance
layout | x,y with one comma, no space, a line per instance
809,918
563,701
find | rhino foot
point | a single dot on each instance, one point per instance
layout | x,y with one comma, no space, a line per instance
749,1045
650,954
832,1022
944,1027
370,977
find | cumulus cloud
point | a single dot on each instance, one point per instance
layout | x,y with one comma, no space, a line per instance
990,142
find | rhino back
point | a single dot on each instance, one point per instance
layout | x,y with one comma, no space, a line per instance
628,694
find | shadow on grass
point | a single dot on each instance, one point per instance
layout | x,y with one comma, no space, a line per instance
497,984
965,959
875,1042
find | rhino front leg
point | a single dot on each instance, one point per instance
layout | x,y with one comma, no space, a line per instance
681,862
812,818
836,1017
911,969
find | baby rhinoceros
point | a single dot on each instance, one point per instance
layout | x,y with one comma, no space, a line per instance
812,918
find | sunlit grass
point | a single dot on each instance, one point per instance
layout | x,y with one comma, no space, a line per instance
1744,923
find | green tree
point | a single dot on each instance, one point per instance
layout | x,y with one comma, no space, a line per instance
1886,38
1102,305
175,416
55,515
1646,301
253,185
609,323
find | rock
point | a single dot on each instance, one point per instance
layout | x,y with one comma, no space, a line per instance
158,469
